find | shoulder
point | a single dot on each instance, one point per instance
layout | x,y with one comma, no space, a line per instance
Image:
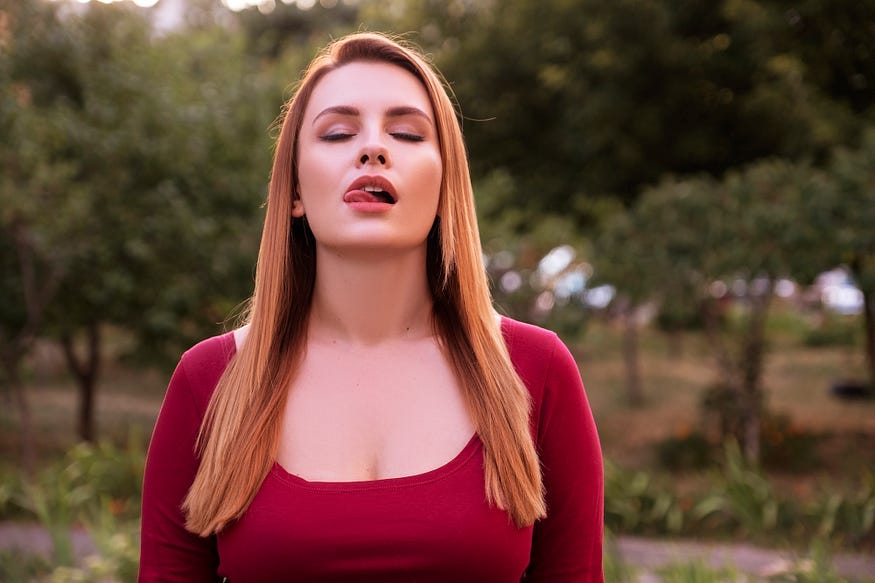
203,364
544,364
210,354
527,340
533,350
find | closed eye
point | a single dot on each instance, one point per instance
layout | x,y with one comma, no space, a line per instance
407,137
335,137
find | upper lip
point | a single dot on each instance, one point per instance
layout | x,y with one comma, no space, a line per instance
377,181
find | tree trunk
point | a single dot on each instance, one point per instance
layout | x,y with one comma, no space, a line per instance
753,356
36,295
85,371
712,316
869,323
634,391
26,435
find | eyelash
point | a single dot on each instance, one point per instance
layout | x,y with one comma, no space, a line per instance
399,135
408,137
335,137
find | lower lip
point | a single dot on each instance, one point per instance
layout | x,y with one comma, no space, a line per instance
370,207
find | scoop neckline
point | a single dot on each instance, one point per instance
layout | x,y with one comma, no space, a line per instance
438,473
474,444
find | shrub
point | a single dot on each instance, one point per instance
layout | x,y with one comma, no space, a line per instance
743,499
847,517
689,452
834,331
89,483
634,502
785,447
17,567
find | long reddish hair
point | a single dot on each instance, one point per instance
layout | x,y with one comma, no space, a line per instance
239,436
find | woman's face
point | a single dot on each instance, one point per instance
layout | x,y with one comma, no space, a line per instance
369,165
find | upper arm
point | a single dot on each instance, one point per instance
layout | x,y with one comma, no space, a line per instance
169,552
567,544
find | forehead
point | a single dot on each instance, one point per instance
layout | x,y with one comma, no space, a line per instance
366,85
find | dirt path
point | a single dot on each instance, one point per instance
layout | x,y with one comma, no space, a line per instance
652,554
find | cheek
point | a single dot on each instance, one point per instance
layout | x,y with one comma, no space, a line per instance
312,175
431,176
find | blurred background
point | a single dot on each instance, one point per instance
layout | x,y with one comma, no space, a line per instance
683,189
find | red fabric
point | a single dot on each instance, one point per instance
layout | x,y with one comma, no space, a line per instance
431,527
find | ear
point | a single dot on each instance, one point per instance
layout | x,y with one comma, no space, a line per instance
297,208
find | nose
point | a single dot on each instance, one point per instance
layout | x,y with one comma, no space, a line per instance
374,153
379,159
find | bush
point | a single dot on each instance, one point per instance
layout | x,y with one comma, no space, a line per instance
743,500
91,482
15,567
834,331
785,447
635,503
850,518
690,452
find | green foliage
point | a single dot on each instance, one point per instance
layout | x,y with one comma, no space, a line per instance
785,447
9,489
682,236
849,517
742,499
689,452
99,485
584,94
834,331
15,567
850,211
737,500
615,570
153,154
96,485
513,255
843,215
118,555
636,502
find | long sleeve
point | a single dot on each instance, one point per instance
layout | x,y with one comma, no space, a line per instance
567,544
168,551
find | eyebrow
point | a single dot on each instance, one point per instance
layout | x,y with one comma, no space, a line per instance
398,111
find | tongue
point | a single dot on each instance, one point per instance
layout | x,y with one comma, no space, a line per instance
365,196
361,196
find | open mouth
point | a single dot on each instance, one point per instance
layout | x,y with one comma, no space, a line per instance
379,194
372,189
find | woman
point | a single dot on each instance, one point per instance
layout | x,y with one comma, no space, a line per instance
375,420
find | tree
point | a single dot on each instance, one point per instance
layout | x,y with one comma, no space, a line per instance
166,155
39,212
685,235
844,218
601,98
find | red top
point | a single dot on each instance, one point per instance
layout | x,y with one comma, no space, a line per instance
430,527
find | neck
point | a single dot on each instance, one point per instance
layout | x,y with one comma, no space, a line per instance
369,300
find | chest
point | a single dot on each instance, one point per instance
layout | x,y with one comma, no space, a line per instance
427,528
366,414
